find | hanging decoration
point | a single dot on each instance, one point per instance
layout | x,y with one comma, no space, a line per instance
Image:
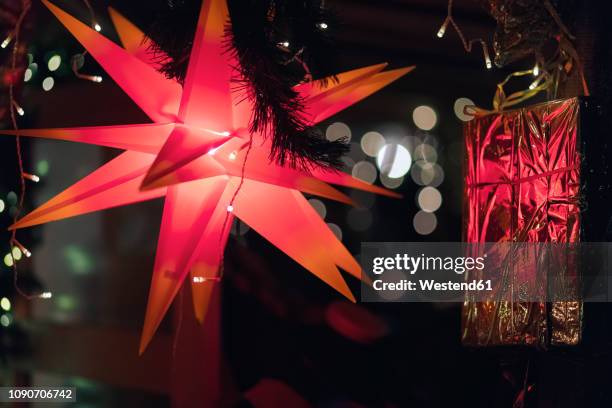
201,156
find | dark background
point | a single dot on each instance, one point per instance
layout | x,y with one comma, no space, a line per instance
278,321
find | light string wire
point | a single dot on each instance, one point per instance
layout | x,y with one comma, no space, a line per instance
92,15
14,109
308,77
221,269
230,206
546,73
467,45
79,59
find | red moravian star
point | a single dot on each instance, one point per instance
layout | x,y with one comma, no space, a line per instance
193,154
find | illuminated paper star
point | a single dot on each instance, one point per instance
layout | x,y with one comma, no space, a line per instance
193,154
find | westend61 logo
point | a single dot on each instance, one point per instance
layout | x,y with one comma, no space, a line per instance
413,264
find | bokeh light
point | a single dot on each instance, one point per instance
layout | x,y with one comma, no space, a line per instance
429,199
319,207
424,117
48,83
427,174
425,153
364,171
394,160
391,183
438,176
78,260
54,62
459,107
16,253
336,230
27,75
422,174
2,205
8,260
42,167
424,223
5,304
371,143
11,198
65,302
5,320
338,130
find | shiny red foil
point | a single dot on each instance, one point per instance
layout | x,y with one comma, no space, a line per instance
522,184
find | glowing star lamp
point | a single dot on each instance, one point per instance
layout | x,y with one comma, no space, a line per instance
193,154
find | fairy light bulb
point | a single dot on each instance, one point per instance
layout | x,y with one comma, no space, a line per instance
6,41
488,63
536,70
46,295
22,249
31,177
323,26
18,109
442,29
97,27
230,208
533,85
232,156
93,78
199,279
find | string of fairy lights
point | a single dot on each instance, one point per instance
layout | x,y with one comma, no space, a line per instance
13,39
467,44
546,73
15,109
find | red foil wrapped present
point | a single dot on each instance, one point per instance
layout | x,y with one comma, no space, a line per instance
523,184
